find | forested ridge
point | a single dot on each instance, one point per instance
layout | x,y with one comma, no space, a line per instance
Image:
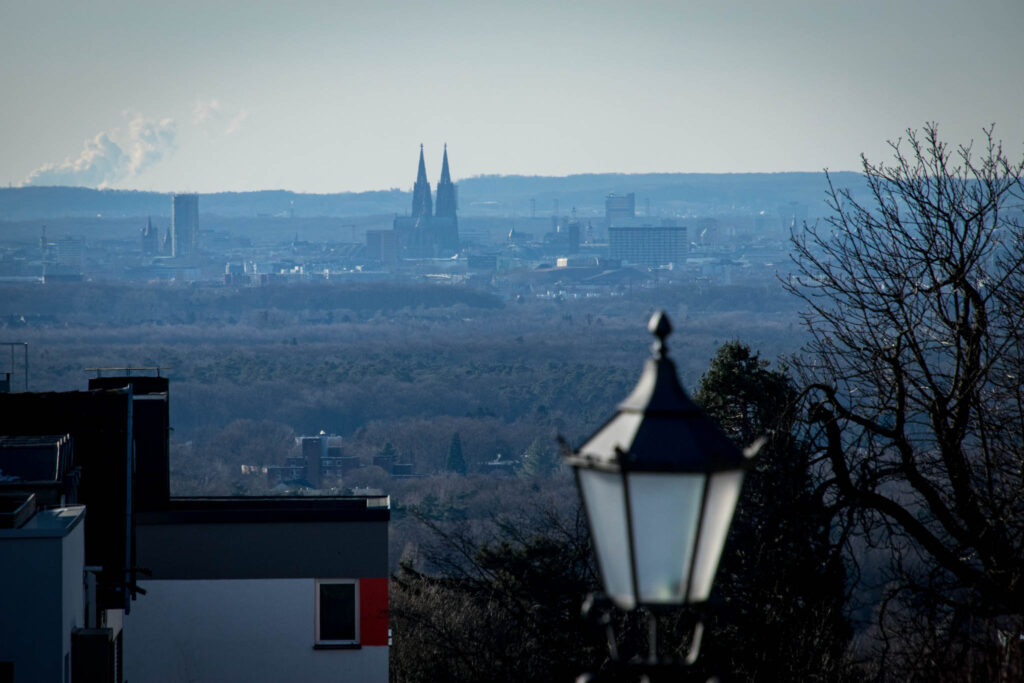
405,364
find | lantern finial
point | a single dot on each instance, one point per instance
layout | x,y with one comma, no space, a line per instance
661,327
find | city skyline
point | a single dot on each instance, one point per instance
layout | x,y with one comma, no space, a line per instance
332,97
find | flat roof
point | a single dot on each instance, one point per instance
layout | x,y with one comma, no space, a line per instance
52,523
265,509
32,440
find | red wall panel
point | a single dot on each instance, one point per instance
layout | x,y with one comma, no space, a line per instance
373,611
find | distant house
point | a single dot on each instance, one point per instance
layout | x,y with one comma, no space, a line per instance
319,460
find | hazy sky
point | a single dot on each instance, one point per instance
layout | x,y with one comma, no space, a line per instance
333,96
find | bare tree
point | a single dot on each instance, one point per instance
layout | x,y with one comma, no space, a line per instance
915,300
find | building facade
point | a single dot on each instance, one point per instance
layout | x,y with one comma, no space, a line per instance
262,589
42,603
648,245
619,206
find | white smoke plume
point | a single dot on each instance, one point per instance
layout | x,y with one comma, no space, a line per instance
204,110
214,118
112,156
148,142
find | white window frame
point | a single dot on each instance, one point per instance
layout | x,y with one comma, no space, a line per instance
316,613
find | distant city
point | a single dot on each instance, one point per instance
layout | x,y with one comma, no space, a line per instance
548,237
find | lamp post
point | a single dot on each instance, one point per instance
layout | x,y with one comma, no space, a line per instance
659,483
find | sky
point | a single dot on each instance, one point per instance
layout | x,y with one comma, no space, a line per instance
335,96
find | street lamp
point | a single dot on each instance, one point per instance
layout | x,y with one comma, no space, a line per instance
659,482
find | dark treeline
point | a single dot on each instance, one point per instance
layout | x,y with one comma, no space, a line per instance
125,304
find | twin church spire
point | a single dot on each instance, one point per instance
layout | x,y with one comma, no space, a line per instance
422,207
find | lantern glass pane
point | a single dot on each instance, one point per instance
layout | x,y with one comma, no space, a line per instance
665,509
618,434
723,493
606,510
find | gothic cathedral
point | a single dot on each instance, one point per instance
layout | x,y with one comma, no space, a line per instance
432,229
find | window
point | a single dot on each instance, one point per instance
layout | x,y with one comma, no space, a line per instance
337,613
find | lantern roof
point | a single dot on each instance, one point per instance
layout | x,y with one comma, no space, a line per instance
658,427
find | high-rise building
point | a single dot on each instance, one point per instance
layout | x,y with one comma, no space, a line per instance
70,252
648,245
184,224
381,246
619,206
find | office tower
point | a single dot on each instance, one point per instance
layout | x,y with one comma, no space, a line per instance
184,224
618,207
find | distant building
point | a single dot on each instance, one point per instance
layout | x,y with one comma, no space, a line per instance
648,245
501,467
381,246
427,232
565,238
184,224
320,457
70,253
234,275
619,206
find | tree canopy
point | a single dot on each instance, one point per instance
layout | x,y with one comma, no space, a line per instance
456,462
781,588
914,299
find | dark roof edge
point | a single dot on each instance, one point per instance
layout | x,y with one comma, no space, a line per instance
264,510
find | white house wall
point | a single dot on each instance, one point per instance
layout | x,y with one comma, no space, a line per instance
235,630
41,594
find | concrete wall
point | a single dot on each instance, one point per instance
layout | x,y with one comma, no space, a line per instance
237,630
41,595
72,589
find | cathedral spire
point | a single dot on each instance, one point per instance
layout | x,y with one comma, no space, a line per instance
445,191
446,177
422,206
421,174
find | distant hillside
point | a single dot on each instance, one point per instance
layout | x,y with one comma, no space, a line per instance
24,203
667,193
